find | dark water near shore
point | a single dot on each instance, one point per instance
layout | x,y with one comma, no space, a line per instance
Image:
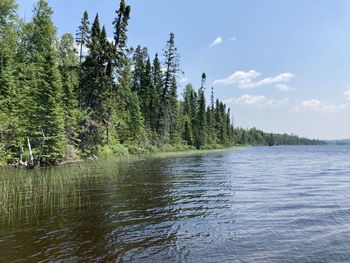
277,204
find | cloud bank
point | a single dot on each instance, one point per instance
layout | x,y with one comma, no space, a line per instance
347,94
247,80
312,105
256,100
317,106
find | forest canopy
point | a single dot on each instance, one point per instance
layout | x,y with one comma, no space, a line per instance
69,97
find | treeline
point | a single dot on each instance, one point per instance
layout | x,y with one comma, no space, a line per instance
65,97
259,138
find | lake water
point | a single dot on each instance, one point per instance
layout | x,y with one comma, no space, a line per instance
259,204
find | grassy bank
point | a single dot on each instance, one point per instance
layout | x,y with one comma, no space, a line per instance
164,151
27,194
188,152
130,152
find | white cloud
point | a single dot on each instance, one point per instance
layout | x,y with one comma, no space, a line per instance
217,41
317,106
246,99
233,39
261,101
241,78
276,103
256,100
281,78
347,94
245,79
283,87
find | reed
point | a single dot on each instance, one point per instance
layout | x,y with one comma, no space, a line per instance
25,194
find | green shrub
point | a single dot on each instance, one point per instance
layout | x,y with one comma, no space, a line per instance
212,147
166,148
152,149
117,150
104,152
135,150
181,147
120,150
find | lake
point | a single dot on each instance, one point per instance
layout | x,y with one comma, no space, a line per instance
255,204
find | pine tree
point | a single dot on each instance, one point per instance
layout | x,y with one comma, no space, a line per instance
10,123
120,35
166,119
106,92
201,124
45,126
189,108
129,117
82,39
91,68
228,126
212,100
147,94
157,76
223,127
69,69
218,121
171,63
211,120
139,60
97,79
271,140
135,120
49,113
187,134
83,35
210,131
174,111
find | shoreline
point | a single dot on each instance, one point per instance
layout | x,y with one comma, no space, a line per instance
191,152
150,156
130,157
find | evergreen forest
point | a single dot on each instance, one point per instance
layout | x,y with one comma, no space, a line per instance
78,96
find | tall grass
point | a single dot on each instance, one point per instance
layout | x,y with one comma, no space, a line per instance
27,194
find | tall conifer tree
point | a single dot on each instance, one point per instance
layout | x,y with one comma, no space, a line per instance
46,117
201,124
166,118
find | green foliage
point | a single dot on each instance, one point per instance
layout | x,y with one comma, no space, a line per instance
257,137
120,35
201,118
8,10
157,76
116,150
45,116
109,100
83,34
137,150
168,104
152,149
68,66
135,120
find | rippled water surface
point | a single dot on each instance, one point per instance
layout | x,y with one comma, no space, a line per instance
277,204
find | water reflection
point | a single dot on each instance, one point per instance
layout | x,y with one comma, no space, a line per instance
254,205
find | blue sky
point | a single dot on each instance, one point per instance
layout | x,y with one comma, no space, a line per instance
282,66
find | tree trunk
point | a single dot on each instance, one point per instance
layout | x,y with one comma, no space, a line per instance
31,158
